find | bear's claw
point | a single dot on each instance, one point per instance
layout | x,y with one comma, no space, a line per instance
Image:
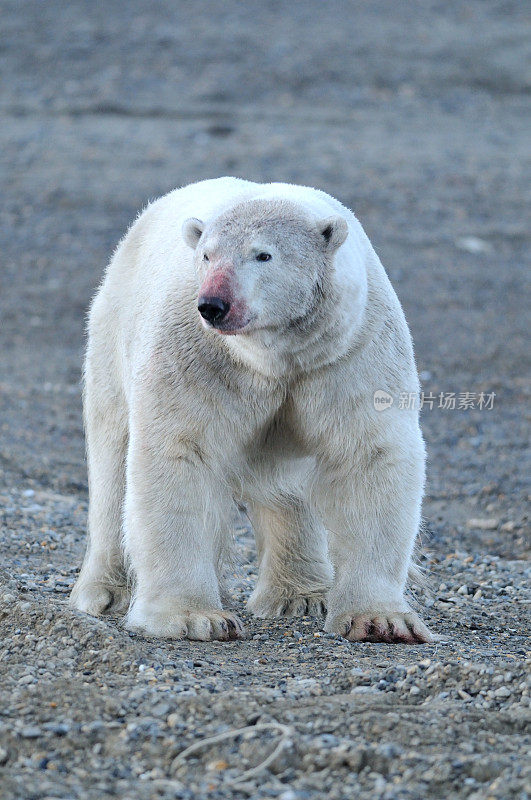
390,627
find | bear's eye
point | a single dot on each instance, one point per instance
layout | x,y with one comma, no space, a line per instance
205,257
263,257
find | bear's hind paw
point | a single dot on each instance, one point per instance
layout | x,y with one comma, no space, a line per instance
273,603
96,598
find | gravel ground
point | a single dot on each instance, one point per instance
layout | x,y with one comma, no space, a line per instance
414,115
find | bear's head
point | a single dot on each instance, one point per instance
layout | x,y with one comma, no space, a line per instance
262,265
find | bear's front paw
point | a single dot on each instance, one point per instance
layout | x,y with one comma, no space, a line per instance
391,627
171,621
272,602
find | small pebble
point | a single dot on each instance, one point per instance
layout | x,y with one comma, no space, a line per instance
483,524
30,732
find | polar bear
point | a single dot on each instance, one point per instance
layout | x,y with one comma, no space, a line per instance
234,350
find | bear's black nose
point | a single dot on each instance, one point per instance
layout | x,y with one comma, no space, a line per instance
213,309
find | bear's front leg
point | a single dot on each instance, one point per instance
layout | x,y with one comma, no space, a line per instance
372,503
174,515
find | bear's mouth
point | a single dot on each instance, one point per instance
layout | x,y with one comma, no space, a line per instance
227,327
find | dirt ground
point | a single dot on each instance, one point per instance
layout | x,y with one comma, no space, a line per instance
413,114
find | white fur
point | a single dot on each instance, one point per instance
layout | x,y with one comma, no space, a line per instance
181,419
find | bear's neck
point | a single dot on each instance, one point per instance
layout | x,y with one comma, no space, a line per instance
309,343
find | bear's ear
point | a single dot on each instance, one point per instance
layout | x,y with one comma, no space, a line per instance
192,230
334,231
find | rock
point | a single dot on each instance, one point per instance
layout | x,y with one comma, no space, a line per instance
489,524
483,770
160,709
474,245
58,728
502,692
31,732
217,766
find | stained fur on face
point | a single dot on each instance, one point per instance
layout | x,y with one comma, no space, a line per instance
297,251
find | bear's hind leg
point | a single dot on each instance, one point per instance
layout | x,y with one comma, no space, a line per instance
101,585
294,571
